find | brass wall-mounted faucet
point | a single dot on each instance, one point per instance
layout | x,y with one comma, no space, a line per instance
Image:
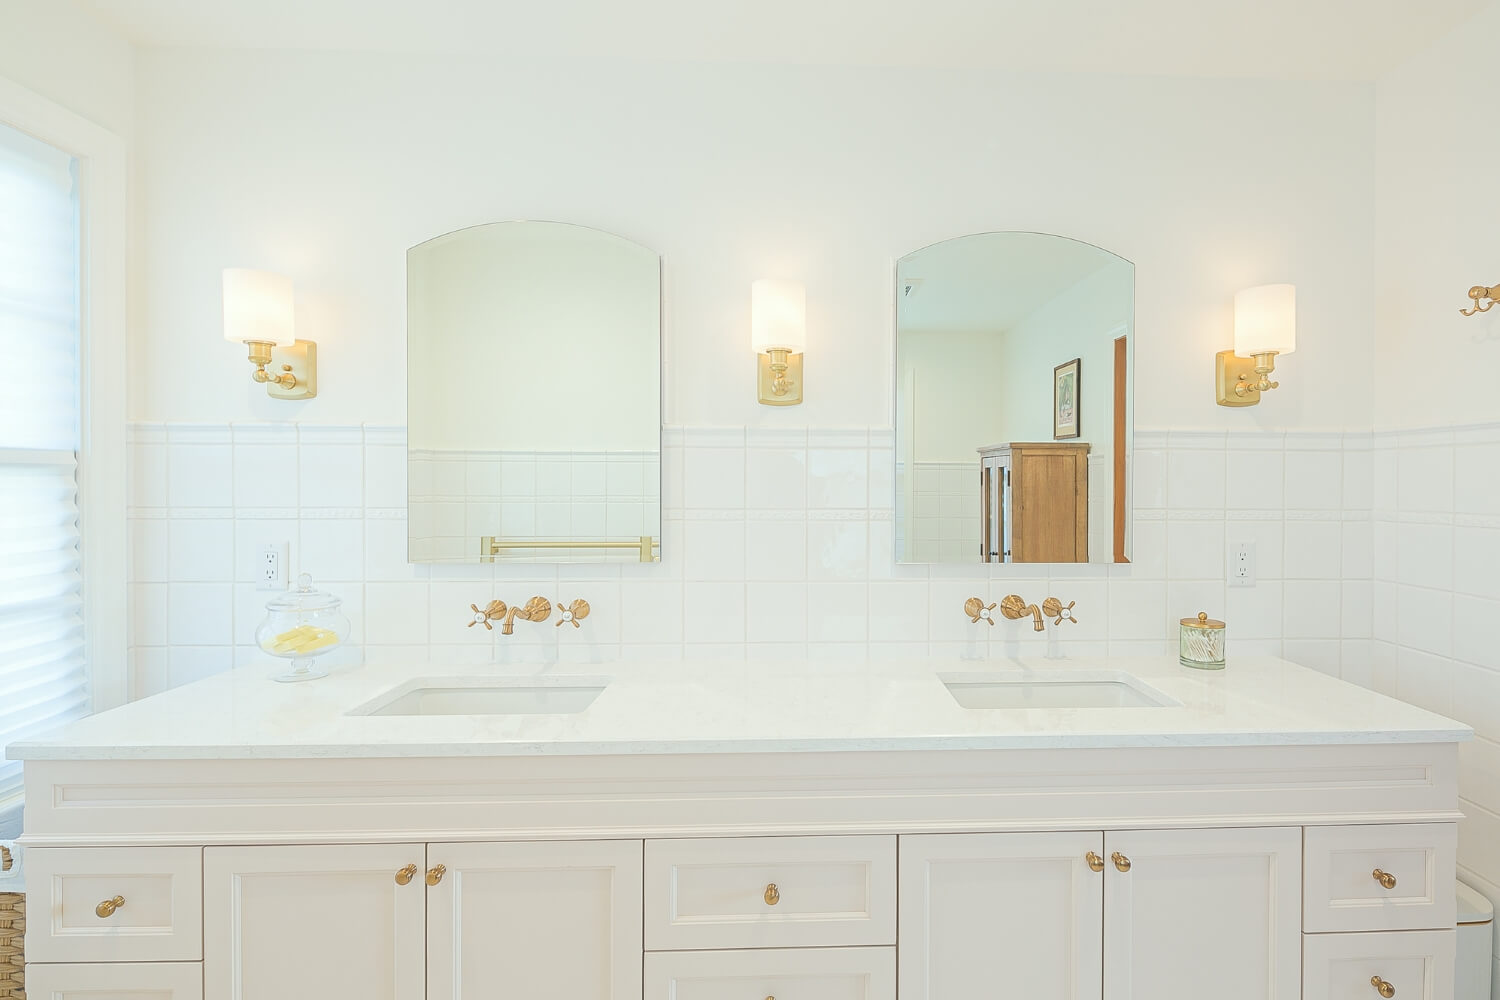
1013,607
538,609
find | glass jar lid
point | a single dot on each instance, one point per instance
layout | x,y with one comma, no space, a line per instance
305,598
1202,621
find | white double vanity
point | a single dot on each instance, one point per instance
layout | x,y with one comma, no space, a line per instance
1130,829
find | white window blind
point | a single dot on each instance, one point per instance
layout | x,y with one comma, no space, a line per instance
43,681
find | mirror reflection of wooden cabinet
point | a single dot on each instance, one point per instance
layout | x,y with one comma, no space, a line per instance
1035,498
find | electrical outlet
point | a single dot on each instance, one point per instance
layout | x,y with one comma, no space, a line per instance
270,566
1242,564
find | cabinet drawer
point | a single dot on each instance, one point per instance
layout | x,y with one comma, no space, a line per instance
1418,965
115,904
1343,867
786,974
140,981
770,892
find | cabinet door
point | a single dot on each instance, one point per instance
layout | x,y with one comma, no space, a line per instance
1203,913
540,919
115,981
1000,915
313,922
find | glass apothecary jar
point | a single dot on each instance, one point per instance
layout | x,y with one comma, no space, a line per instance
300,626
1202,643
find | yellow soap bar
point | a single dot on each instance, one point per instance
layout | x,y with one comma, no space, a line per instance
302,639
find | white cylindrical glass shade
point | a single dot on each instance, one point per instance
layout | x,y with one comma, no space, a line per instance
778,316
1265,319
258,306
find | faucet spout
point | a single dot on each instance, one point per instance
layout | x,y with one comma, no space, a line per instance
1013,607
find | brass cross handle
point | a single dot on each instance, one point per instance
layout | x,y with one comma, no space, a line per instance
572,613
1053,608
1386,879
107,908
493,612
978,611
773,895
435,874
1095,862
1121,861
405,875
1382,987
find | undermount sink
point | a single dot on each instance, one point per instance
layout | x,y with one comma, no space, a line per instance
487,696
1095,689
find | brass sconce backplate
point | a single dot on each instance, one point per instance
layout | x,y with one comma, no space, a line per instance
301,360
1229,371
781,387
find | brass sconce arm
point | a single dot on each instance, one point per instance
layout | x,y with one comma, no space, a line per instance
260,356
1014,608
1484,299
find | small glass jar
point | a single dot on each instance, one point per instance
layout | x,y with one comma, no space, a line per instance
301,626
1202,643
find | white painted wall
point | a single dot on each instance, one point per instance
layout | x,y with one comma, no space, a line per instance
63,53
1437,501
957,394
327,166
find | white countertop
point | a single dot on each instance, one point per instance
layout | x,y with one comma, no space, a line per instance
745,708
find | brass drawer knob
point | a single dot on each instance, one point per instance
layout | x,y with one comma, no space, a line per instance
405,875
1095,862
107,908
773,895
1382,987
1386,879
1121,861
435,874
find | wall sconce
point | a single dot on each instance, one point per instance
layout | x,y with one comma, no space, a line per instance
778,332
1265,325
258,313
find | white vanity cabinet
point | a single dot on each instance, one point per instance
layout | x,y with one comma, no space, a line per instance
1124,915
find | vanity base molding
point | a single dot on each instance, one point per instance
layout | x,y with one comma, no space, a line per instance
97,803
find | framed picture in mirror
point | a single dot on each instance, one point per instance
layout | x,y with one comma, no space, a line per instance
1065,399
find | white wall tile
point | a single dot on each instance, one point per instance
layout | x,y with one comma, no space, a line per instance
1313,550
200,475
331,475
714,550
713,478
714,614
1195,479
331,548
201,549
1314,481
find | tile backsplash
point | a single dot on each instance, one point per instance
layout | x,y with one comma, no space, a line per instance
775,542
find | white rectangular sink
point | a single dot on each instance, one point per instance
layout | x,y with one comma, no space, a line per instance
1093,689
487,696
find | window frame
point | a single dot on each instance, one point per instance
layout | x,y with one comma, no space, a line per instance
103,328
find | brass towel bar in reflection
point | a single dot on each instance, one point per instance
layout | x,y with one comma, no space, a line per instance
490,546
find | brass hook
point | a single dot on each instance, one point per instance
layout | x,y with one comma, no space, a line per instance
1484,299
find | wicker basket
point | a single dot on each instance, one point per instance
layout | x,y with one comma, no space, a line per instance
12,961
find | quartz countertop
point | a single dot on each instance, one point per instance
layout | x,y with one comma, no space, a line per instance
781,706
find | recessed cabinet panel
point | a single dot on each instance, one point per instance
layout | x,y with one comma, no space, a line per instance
785,974
105,904
1412,965
314,922
1006,915
116,981
770,892
540,919
1203,913
1377,878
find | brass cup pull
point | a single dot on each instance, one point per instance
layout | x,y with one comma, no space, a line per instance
773,895
107,908
405,875
435,874
1121,861
1386,879
1382,987
1095,862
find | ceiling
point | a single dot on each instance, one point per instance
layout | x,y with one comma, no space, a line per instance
1279,39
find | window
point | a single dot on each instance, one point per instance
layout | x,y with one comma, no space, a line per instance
43,680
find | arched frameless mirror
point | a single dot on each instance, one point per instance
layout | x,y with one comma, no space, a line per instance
533,396
1014,368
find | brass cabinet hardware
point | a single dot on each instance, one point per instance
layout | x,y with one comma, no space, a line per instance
1382,987
1121,861
405,875
773,895
1095,862
435,874
1484,299
1386,879
107,908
